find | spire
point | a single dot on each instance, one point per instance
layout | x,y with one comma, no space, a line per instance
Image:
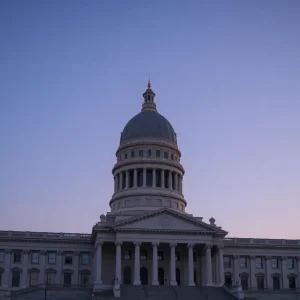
149,95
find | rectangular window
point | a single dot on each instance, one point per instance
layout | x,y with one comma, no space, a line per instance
143,255
157,153
275,263
260,282
15,281
149,152
227,262
51,258
35,257
125,155
259,263
85,258
243,262
172,156
1,256
33,280
50,278
291,263
166,155
160,255
141,153
177,255
17,256
68,258
67,278
132,154
127,255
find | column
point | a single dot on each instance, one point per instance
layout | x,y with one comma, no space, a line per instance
154,264
208,265
127,180
191,265
98,270
221,265
180,183
7,260
253,284
236,268
173,265
285,281
269,270
76,267
163,178
42,267
170,180
144,177
176,181
121,181
118,261
154,178
137,279
25,269
135,178
59,267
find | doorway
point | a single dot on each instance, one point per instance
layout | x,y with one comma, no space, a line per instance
127,275
178,276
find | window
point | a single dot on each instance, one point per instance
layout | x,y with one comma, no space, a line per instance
177,255
125,155
292,282
140,177
157,153
227,262
33,278
276,282
166,155
160,255
244,281
143,255
172,156
132,153
15,281
17,256
50,278
51,258
275,263
35,257
149,177
291,263
67,278
259,262
228,279
149,152
1,256
260,282
84,279
85,259
68,258
243,262
127,255
141,153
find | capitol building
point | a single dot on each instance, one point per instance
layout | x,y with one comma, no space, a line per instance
148,242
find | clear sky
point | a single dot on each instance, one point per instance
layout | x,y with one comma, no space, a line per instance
226,75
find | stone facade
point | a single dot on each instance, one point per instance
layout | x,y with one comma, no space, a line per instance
147,237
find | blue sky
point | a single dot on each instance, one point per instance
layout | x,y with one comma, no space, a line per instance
226,75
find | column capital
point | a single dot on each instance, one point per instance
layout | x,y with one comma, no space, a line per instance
191,245
43,252
60,252
157,244
26,252
284,258
9,251
137,244
220,247
268,257
252,257
118,243
208,246
236,256
98,243
172,245
76,253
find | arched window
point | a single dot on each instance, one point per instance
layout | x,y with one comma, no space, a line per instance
292,281
244,281
260,280
276,281
16,275
33,277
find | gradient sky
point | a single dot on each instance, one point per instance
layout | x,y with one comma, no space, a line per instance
226,74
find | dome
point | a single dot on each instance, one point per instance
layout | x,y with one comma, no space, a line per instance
148,124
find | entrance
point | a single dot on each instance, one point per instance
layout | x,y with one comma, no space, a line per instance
161,276
144,276
178,276
127,275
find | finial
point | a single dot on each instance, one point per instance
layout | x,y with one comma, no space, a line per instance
149,84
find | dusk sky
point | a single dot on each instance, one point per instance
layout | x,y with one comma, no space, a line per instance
226,75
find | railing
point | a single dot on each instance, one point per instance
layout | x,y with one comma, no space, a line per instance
266,242
44,235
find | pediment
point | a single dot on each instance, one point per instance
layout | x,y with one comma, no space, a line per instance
166,220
